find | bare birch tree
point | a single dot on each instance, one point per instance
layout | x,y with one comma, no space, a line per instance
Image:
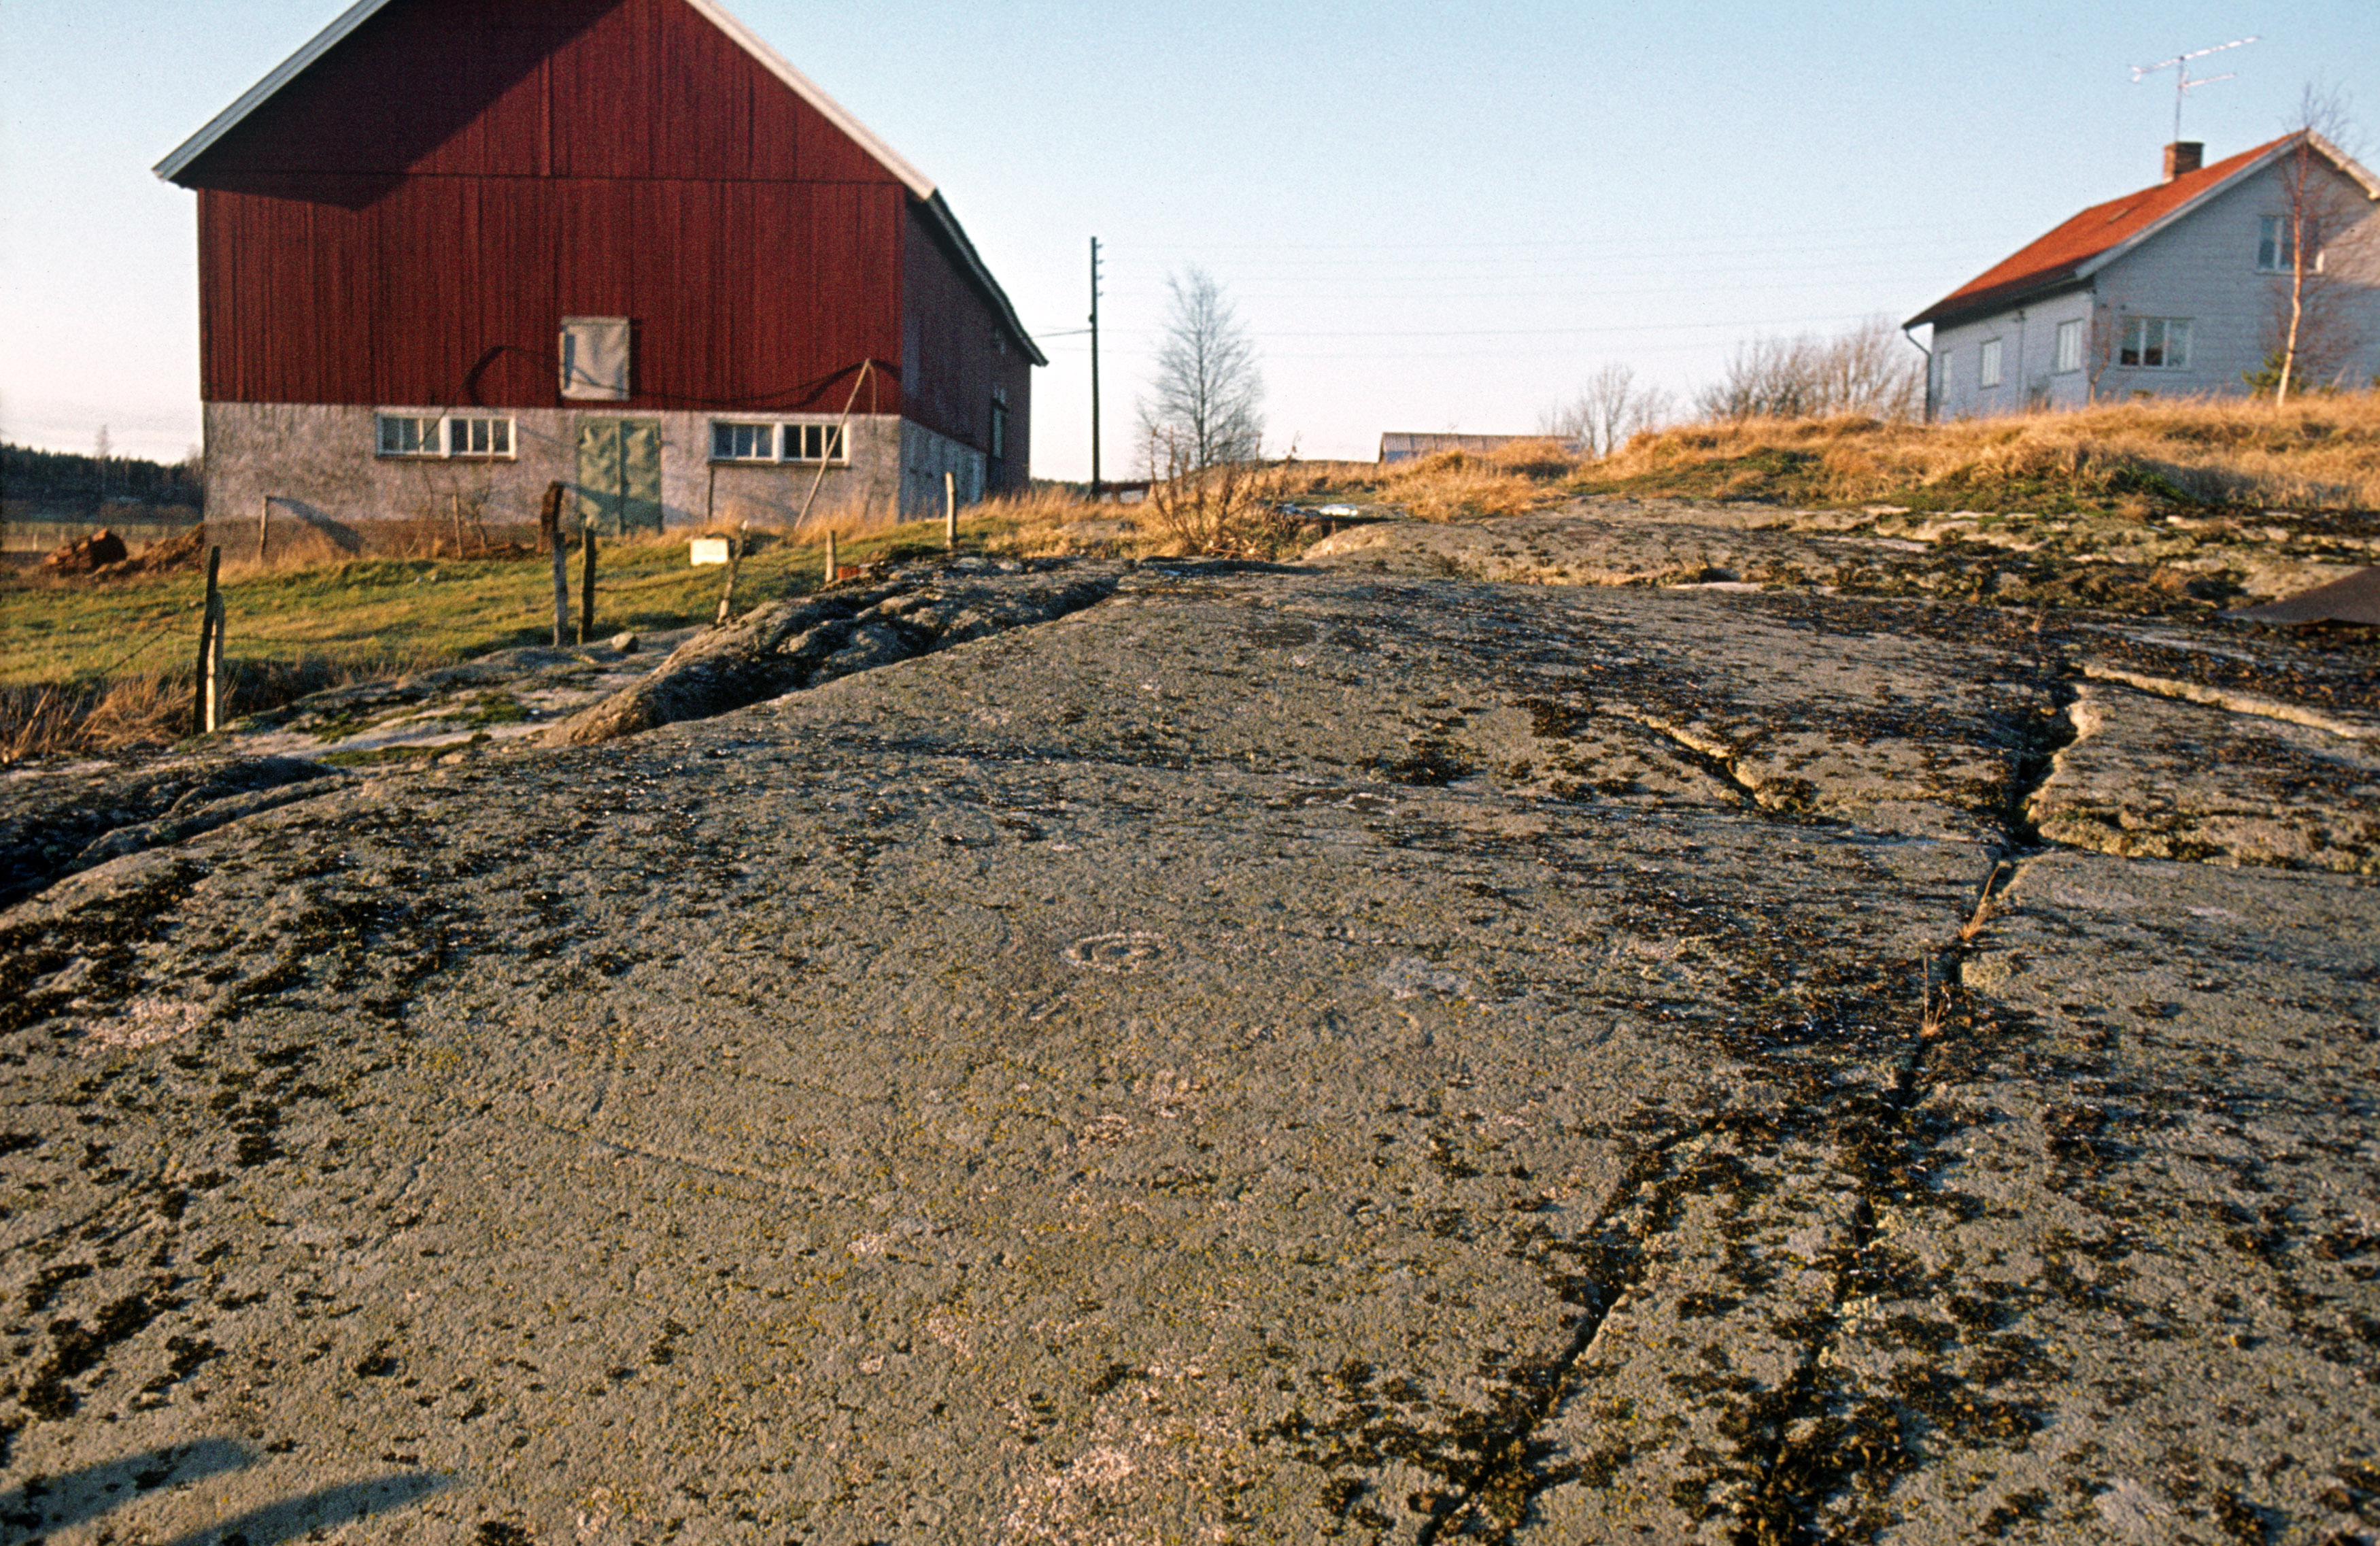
1206,405
2314,249
1606,411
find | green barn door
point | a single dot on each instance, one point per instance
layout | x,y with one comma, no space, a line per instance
620,475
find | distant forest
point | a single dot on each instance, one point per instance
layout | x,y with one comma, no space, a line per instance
36,483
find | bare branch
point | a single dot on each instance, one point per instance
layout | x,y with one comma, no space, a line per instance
1206,405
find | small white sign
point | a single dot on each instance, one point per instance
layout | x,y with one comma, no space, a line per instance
709,550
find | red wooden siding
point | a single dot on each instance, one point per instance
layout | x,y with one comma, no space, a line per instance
406,222
956,334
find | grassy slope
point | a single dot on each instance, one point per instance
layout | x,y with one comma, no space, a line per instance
111,651
2124,458
391,612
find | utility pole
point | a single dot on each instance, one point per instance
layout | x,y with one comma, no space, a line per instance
1095,368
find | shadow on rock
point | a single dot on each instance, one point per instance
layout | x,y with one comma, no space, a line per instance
44,1504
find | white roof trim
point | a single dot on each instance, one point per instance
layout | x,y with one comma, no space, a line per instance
2090,267
2181,212
255,96
918,184
2344,164
2349,166
806,89
718,15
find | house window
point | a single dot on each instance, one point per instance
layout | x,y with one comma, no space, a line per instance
1942,369
2275,253
2156,344
813,443
409,434
479,437
405,435
595,358
2070,347
999,431
743,442
1991,376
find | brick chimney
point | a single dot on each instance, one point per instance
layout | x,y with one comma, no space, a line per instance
2182,156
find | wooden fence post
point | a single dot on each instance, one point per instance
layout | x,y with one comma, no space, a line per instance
830,560
549,518
950,512
264,528
205,699
561,590
586,586
735,557
454,504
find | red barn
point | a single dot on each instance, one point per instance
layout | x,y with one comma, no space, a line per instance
453,249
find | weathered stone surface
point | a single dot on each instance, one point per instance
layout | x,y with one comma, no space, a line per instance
1266,1056
2159,778
804,641
55,822
2177,566
505,695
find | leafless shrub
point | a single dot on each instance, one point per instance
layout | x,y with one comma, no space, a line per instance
1867,370
1229,508
1606,411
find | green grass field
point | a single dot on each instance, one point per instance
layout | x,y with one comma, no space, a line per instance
397,610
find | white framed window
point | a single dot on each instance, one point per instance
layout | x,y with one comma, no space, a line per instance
458,434
743,442
815,443
1942,374
1991,363
405,434
2070,347
478,436
2156,344
2275,253
595,358
2272,244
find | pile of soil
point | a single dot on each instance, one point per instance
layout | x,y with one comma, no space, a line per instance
185,552
86,555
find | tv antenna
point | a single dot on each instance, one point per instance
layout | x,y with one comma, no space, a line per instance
2182,80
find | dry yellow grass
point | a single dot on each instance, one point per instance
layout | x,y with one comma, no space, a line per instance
1449,485
2319,453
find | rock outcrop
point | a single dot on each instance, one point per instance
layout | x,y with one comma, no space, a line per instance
1261,1054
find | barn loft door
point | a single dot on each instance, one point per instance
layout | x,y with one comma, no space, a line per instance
620,475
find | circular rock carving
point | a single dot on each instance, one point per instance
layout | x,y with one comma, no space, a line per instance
1115,953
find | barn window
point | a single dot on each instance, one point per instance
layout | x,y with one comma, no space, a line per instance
813,443
2070,346
479,437
999,431
2156,344
595,358
1991,366
406,435
743,442
412,434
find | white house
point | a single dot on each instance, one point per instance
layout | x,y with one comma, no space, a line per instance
2180,288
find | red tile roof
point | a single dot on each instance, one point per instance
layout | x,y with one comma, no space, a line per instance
2063,253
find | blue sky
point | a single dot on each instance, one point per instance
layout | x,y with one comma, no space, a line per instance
1429,217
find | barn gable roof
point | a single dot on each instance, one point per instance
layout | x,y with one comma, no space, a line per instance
919,186
2091,240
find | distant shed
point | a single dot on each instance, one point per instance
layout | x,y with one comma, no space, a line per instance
458,249
1398,446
